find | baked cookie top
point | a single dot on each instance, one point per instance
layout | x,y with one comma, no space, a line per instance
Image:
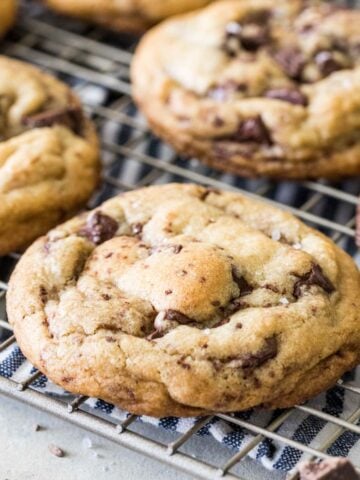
126,14
276,83
177,299
48,153
8,14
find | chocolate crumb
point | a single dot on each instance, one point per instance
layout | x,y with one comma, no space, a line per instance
105,296
168,292
56,451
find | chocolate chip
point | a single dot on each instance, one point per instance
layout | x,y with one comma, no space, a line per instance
182,363
327,63
156,334
43,295
290,95
177,317
105,296
56,451
177,248
224,321
328,469
110,339
71,117
291,60
226,90
137,229
251,361
252,130
314,277
244,287
99,228
168,292
207,192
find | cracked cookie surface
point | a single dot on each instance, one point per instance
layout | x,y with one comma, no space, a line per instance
257,87
125,15
8,15
181,300
49,160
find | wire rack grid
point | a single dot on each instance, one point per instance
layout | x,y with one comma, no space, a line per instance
85,57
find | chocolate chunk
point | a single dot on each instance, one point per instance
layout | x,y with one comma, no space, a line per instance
177,317
137,229
291,60
290,95
99,228
329,469
252,130
327,63
244,287
314,277
249,35
226,90
183,363
71,117
251,361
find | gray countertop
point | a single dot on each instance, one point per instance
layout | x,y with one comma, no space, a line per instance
24,452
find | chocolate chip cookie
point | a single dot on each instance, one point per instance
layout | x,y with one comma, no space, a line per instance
125,15
257,87
7,15
49,160
182,300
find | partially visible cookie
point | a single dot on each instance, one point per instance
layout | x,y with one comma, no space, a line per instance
8,9
49,156
125,15
257,87
182,300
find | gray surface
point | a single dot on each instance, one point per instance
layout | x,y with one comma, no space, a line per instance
24,452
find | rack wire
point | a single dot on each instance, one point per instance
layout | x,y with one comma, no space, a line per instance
86,56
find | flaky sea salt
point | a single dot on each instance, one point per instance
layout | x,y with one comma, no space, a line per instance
284,301
87,442
276,235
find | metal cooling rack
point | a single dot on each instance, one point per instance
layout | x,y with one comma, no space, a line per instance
84,57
